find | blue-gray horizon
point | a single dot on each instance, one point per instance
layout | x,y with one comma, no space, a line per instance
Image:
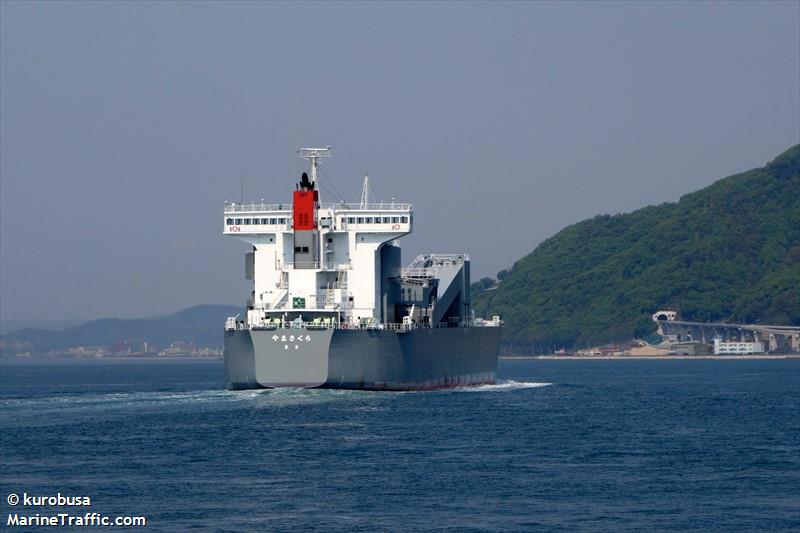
124,127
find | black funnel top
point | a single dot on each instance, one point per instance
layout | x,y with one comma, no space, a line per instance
305,184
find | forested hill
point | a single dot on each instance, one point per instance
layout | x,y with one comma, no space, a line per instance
728,252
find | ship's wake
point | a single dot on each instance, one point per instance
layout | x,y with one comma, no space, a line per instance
503,385
264,397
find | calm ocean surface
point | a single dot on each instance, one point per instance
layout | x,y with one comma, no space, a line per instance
557,445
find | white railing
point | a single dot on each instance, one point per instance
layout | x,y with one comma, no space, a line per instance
233,207
329,322
429,265
314,265
380,206
393,326
417,272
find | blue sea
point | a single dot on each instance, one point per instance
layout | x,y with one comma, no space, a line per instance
657,445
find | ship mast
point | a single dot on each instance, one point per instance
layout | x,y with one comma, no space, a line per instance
314,155
365,193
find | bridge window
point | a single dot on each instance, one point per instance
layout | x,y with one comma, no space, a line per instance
229,221
404,219
360,220
369,220
281,221
247,221
351,220
395,220
273,221
256,221
238,221
264,220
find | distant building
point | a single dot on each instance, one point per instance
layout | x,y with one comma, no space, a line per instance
737,348
179,348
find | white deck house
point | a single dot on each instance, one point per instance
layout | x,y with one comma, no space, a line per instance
341,272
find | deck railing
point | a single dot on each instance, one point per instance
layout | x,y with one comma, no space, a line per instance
233,207
456,322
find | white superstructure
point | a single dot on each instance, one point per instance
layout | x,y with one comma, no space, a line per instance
316,259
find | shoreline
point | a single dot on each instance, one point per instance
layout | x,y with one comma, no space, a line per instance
51,358
648,357
7,357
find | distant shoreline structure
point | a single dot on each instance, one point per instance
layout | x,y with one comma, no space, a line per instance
200,358
645,357
68,357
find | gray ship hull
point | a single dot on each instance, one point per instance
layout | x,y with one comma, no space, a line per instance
361,359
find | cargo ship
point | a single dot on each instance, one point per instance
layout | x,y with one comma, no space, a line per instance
332,306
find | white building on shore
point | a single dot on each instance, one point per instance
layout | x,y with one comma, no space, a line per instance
737,348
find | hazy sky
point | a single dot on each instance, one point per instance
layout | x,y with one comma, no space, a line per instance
124,127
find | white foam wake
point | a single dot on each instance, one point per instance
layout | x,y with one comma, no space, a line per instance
505,385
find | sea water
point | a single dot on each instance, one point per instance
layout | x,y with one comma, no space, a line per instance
658,445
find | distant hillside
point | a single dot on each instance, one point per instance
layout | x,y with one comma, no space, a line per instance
728,252
201,325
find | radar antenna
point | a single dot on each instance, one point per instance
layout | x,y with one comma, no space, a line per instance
314,155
